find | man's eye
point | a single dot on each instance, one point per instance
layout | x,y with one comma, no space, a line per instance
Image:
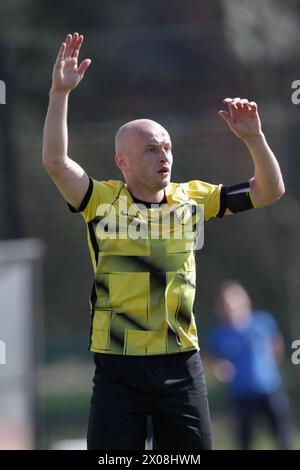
152,149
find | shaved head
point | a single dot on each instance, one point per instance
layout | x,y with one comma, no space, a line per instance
144,156
128,133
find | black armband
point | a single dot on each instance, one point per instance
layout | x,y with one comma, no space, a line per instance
236,198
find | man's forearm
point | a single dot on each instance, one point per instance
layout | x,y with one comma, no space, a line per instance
55,141
267,184
69,177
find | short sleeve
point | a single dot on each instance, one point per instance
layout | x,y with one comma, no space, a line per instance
207,194
268,322
90,202
98,192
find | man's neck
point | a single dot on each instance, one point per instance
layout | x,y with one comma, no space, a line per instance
143,195
147,203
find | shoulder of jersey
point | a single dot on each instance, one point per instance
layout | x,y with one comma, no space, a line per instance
109,189
179,190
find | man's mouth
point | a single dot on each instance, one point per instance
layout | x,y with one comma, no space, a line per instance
164,171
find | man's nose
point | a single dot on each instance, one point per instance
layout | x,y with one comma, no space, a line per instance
163,155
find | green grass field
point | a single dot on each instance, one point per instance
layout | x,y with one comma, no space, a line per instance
64,400
66,415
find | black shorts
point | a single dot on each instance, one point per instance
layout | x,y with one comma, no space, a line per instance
169,388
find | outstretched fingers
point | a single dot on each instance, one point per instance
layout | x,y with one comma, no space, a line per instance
71,44
61,52
68,42
77,46
69,51
83,67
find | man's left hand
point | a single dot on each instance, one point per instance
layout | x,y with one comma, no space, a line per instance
242,118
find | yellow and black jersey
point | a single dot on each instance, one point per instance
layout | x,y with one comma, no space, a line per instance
144,288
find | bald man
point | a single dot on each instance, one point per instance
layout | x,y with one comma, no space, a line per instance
141,235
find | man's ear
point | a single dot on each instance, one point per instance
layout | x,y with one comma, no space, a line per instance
121,161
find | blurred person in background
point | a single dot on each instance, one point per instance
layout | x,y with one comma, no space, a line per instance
143,329
244,352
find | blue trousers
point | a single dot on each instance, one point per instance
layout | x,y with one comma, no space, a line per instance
275,407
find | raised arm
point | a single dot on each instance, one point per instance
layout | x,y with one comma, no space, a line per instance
69,177
266,186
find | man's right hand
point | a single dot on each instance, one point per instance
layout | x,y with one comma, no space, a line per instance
66,73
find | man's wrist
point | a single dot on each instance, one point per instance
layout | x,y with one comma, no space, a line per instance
255,139
57,92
